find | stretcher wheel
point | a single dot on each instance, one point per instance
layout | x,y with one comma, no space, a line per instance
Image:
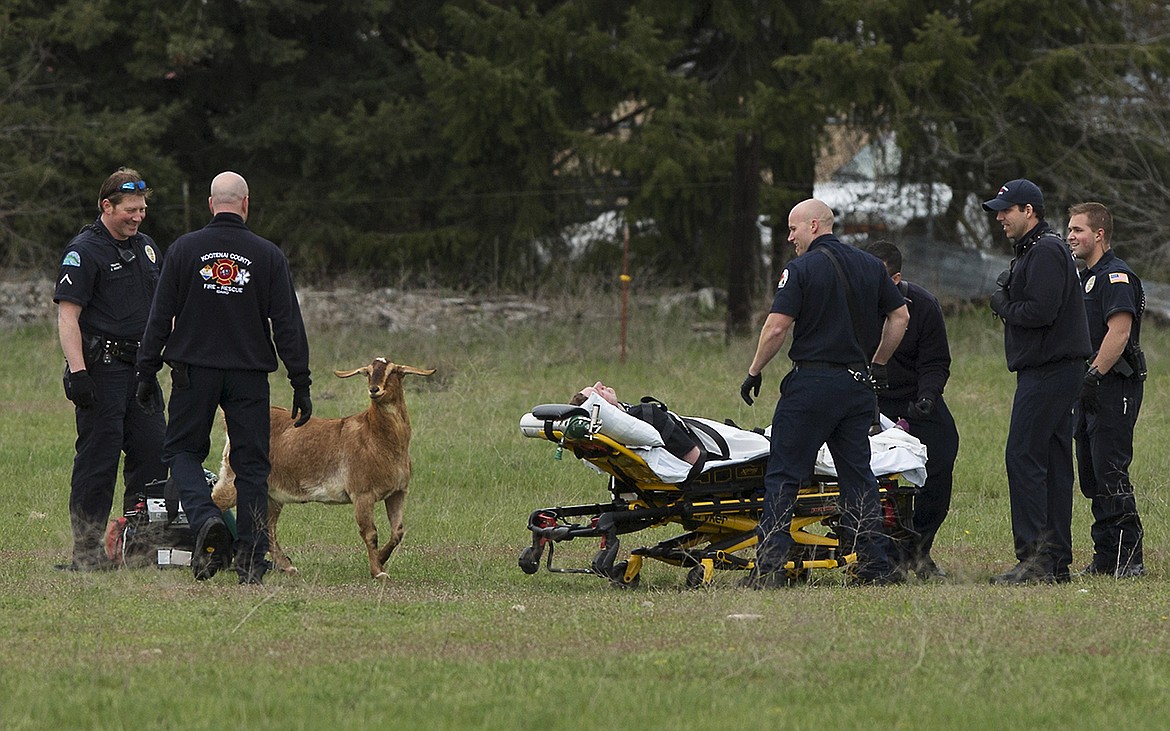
701,576
530,560
618,576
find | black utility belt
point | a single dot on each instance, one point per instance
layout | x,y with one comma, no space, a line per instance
99,348
825,366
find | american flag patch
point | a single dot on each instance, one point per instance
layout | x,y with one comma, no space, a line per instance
1118,278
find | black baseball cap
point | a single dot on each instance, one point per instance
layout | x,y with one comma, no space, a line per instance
1020,191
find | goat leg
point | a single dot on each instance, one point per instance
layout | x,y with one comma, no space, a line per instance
279,559
395,507
363,510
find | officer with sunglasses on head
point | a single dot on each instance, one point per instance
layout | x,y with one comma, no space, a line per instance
104,289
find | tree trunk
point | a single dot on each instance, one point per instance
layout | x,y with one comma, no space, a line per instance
744,250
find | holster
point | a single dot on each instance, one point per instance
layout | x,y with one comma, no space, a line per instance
1131,364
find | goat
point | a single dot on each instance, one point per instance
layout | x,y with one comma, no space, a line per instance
360,459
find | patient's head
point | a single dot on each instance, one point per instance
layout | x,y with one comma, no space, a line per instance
599,388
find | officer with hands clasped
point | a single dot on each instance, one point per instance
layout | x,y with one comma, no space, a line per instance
1111,395
1046,340
918,374
846,318
229,294
103,293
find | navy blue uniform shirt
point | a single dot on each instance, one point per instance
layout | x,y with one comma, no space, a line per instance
921,365
112,280
223,284
810,293
1110,287
1044,319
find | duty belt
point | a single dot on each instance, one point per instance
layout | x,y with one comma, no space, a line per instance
823,365
107,349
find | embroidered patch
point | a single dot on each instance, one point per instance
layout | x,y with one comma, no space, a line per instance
783,279
225,276
1089,283
1118,278
151,255
72,259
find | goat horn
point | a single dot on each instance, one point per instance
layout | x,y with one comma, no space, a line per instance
417,371
354,372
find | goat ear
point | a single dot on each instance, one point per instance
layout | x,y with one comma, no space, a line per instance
354,372
417,371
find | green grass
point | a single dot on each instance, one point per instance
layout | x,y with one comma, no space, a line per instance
461,638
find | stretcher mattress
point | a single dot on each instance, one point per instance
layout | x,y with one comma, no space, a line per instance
892,451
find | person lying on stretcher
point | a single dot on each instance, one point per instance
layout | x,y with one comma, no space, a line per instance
667,442
676,437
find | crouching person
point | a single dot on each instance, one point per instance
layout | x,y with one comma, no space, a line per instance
218,290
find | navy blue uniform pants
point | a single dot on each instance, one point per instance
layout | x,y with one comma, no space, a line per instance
933,501
243,396
112,426
1039,463
1104,452
823,406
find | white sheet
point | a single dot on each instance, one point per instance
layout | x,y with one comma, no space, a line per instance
891,451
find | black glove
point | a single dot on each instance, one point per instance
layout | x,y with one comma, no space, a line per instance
879,376
149,395
1002,280
920,409
999,300
1089,386
80,389
302,406
750,385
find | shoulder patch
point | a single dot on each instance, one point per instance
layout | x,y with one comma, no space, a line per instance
151,255
783,279
1118,278
72,259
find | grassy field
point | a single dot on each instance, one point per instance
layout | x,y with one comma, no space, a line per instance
461,638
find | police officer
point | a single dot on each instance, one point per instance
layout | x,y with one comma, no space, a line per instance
222,286
918,373
104,288
1111,395
827,296
1046,340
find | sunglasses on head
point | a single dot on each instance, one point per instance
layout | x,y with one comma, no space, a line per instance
133,185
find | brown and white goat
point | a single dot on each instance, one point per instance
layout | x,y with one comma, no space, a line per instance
360,459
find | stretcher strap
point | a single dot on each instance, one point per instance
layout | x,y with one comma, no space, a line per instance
724,450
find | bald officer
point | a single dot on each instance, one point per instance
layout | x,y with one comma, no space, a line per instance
827,397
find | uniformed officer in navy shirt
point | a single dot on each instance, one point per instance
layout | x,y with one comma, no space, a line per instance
104,288
918,375
1111,395
1046,341
222,286
827,397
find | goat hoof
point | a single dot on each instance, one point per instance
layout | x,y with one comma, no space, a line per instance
289,570
382,576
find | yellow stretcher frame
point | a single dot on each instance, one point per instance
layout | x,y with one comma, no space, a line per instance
708,521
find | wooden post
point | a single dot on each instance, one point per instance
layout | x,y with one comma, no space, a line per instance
625,283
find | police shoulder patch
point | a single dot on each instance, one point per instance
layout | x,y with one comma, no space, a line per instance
151,255
783,279
1118,278
72,259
